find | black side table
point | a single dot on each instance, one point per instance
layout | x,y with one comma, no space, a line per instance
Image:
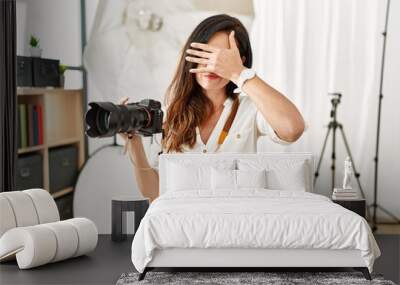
358,206
123,204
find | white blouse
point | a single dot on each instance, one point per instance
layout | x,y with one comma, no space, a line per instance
247,126
242,137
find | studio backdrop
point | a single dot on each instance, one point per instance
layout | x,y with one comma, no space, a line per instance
305,49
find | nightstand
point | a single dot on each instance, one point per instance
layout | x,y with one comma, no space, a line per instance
123,204
358,206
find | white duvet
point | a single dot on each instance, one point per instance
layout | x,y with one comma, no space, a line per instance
250,219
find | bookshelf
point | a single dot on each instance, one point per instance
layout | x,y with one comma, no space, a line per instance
62,125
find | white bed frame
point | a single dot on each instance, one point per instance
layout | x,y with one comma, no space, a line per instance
242,258
251,257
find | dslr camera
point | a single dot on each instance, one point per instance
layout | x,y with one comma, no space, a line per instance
106,119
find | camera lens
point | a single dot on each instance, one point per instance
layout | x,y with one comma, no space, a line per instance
103,120
106,119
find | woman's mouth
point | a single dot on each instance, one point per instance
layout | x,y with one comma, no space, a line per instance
211,76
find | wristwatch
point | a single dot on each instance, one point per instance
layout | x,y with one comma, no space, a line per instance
245,75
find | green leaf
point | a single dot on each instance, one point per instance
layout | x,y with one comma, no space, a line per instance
62,68
34,42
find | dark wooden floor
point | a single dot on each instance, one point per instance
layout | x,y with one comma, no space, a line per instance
389,262
102,266
110,260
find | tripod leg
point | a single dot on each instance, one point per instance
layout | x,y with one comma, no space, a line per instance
322,154
333,156
389,213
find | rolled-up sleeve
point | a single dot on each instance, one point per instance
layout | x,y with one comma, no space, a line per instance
265,129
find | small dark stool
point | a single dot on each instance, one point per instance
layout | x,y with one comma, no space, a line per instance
123,204
358,206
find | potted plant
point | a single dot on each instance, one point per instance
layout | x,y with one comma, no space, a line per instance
35,49
62,68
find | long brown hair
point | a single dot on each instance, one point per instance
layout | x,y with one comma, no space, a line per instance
188,107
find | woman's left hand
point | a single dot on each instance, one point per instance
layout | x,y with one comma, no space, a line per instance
225,63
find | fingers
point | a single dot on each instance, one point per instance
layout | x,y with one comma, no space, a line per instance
232,41
200,70
204,47
197,60
199,53
123,101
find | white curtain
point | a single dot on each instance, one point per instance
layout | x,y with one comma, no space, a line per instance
308,48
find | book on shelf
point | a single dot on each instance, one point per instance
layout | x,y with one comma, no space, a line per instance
30,125
40,122
36,126
22,125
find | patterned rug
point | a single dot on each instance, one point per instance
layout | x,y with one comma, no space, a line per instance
243,278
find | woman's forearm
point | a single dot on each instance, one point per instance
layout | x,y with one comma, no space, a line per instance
146,177
280,112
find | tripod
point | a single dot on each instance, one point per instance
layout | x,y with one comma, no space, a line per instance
375,204
332,126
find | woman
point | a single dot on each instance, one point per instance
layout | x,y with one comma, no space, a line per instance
204,114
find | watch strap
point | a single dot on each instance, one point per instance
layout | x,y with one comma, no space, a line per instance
245,75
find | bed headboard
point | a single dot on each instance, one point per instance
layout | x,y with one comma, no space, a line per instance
280,161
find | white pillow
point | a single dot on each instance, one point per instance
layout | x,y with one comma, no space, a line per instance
293,178
187,177
228,179
187,174
223,179
281,174
251,178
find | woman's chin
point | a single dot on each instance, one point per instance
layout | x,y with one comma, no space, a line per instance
213,85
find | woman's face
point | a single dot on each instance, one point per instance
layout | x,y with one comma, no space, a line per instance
211,81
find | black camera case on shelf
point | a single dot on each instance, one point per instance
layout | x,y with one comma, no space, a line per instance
45,72
63,167
29,171
37,72
24,71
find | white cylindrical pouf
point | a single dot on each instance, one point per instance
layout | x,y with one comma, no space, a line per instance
67,239
45,205
23,207
34,245
7,218
87,234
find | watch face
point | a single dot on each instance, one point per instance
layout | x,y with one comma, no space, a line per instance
248,73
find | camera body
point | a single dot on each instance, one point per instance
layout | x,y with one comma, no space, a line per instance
156,117
106,119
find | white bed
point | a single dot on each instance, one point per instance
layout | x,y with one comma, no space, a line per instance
200,220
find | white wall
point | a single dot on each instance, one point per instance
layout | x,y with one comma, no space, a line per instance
57,24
